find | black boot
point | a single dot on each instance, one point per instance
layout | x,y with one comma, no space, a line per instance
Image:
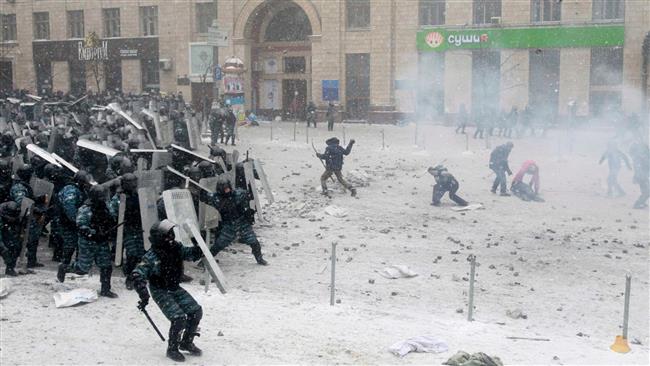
185,278
10,272
174,340
257,253
105,280
60,274
187,343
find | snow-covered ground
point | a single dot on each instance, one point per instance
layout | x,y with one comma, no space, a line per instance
562,263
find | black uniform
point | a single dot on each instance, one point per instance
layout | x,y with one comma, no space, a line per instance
445,182
499,164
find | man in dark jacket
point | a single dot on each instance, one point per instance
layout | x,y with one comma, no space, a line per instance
499,164
445,182
162,266
333,157
10,243
331,116
231,122
311,114
614,158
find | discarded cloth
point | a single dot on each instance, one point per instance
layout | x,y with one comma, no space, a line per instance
428,344
397,271
336,211
70,298
5,287
462,358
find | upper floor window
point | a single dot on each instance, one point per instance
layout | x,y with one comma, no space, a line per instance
606,66
149,20
607,9
111,22
75,24
8,25
432,12
545,11
358,14
485,10
205,13
42,25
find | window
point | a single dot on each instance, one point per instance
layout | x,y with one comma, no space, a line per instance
294,65
42,25
545,11
76,24
606,66
149,20
111,22
278,31
150,74
486,81
607,9
431,85
8,24
358,14
432,12
485,10
205,13
357,85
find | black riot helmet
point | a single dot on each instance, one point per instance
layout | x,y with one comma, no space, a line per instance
25,172
161,234
82,178
129,182
5,169
97,194
194,173
115,162
10,211
53,173
223,187
206,169
126,166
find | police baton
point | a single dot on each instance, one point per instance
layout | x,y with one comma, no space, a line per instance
143,310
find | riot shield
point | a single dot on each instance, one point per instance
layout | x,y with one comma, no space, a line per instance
43,154
160,159
90,145
119,240
150,179
179,208
265,183
16,162
41,187
148,212
250,182
209,217
193,132
208,260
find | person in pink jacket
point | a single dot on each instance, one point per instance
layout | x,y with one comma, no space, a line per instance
527,191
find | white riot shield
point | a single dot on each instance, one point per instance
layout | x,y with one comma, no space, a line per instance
265,183
193,133
41,187
166,131
150,179
3,124
119,240
250,181
209,217
160,159
16,163
180,207
43,154
208,260
148,212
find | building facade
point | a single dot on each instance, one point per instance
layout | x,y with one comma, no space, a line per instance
379,60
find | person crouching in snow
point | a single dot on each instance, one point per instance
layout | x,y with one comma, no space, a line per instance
333,157
530,191
445,182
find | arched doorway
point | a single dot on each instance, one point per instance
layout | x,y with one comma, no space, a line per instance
279,33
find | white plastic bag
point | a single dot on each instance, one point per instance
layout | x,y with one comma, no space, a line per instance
70,298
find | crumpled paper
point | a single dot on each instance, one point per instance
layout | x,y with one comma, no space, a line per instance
336,211
74,297
429,344
397,271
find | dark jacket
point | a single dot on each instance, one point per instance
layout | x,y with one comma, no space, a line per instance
333,155
499,158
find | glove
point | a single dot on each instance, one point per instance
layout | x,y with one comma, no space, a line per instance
142,304
352,141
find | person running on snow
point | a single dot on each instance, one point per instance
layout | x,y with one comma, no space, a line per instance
311,114
333,157
530,191
614,156
10,243
641,162
445,182
330,116
499,164
132,237
231,124
236,218
162,266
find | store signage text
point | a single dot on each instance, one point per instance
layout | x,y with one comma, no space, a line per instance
92,53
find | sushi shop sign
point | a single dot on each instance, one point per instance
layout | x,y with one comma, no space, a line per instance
98,53
440,39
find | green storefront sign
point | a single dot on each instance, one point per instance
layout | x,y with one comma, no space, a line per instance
439,39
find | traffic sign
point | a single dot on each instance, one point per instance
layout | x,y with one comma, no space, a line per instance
217,38
217,73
